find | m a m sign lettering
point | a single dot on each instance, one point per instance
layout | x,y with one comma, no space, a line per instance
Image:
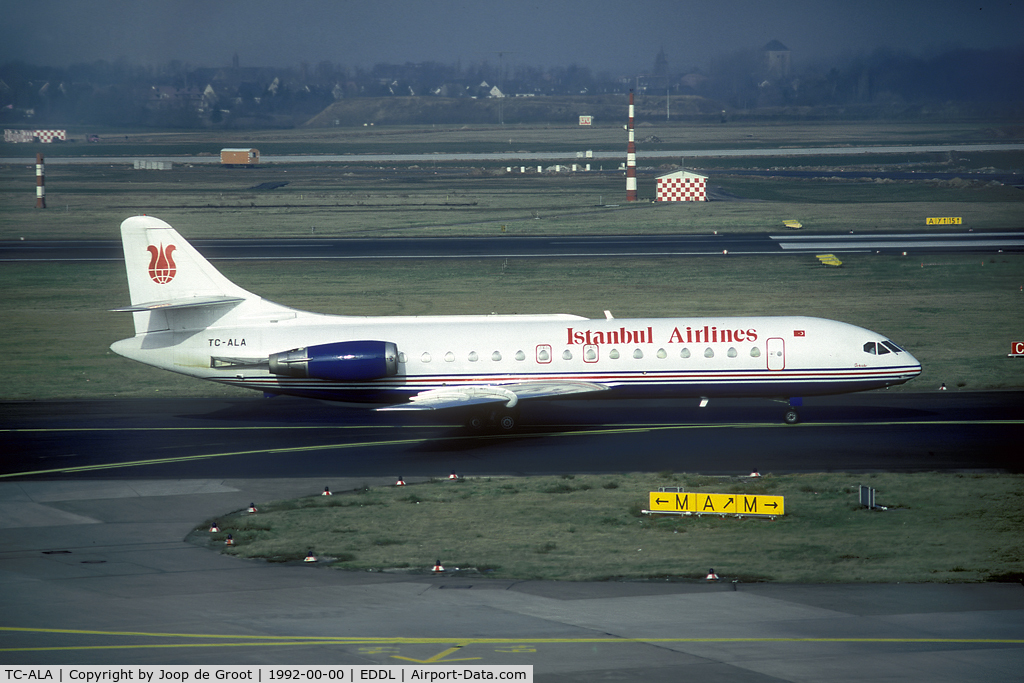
739,504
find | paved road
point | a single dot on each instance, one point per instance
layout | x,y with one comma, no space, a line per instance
563,157
536,247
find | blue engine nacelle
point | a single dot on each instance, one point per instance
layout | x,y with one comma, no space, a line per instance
348,361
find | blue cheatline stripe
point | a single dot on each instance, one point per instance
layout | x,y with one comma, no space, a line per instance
821,378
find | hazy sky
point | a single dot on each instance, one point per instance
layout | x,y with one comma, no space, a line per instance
619,36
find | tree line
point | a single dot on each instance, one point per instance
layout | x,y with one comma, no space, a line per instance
179,95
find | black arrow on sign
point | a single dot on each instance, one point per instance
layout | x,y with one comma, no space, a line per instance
771,505
659,501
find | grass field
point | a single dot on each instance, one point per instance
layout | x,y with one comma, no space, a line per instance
89,202
958,314
605,135
938,528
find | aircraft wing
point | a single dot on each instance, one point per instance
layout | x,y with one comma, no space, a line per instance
509,394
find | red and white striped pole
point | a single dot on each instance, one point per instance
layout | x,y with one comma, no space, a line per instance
40,183
631,157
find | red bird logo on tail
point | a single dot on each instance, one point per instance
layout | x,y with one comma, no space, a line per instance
161,263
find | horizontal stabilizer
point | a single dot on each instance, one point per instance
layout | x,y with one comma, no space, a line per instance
191,302
509,394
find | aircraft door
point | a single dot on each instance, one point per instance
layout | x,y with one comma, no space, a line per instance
776,352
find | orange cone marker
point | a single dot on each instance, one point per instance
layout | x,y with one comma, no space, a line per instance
712,576
400,482
229,540
437,567
252,508
327,492
310,557
214,528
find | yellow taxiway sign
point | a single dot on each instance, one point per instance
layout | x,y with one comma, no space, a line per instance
717,503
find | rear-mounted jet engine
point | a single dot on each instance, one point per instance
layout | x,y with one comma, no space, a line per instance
348,361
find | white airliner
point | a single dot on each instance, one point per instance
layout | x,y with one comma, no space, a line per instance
191,319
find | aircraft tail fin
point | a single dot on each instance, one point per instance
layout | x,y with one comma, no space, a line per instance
163,267
170,283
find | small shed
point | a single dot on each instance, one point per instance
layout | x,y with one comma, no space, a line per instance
681,186
239,156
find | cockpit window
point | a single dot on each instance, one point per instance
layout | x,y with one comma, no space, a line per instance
892,346
870,347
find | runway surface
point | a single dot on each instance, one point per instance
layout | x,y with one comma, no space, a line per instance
290,437
96,498
536,247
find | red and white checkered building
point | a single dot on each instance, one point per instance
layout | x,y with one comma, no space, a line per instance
681,186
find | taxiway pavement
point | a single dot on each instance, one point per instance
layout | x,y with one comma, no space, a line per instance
97,572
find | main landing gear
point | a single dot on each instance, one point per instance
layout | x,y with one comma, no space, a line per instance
500,420
791,416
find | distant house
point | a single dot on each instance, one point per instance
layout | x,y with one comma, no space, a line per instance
776,59
164,93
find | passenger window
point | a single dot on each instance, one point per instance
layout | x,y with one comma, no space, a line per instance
613,354
520,355
662,353
449,357
755,352
638,354
685,353
709,352
567,355
869,347
473,357
425,357
732,352
544,354
401,357
496,355
591,354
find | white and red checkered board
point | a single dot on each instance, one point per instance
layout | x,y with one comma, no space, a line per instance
682,190
51,135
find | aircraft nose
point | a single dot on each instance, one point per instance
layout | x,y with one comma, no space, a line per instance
914,368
